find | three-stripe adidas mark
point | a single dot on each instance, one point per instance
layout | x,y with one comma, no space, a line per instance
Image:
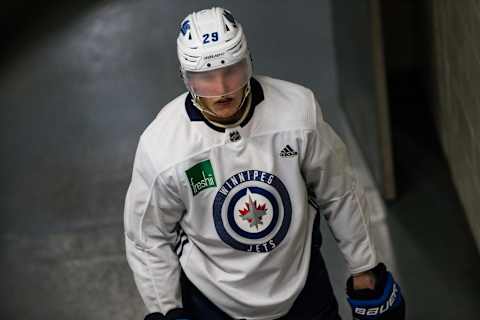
181,241
287,151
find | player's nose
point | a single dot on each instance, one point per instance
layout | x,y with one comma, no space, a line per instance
220,84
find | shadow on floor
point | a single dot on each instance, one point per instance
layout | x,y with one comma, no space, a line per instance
436,253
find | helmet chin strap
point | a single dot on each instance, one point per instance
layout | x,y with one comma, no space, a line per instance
246,102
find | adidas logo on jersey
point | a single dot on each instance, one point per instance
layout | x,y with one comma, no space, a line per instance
288,152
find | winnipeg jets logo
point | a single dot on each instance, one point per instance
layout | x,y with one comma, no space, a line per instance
230,18
185,27
252,211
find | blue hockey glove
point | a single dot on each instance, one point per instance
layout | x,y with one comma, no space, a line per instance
385,302
174,314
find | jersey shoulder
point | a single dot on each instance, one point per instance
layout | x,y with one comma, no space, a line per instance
170,128
288,105
169,118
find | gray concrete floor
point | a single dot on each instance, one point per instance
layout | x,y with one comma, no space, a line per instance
77,89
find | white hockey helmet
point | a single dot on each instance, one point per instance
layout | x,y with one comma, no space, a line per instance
211,45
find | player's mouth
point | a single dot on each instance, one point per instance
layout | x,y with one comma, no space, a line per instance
224,102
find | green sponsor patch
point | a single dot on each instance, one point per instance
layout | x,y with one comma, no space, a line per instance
201,176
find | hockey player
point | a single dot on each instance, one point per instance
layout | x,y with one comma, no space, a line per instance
228,185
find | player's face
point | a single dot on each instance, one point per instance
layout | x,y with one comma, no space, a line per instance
220,90
225,106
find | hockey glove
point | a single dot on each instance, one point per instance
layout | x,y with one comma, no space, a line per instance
174,314
385,302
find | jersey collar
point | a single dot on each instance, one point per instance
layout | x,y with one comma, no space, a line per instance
195,115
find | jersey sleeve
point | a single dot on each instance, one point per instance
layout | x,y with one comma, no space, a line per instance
152,212
331,182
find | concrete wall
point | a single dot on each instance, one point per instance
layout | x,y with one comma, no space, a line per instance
456,67
362,87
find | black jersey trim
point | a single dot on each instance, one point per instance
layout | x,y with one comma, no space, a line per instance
195,115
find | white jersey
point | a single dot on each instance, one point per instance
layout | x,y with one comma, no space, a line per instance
234,207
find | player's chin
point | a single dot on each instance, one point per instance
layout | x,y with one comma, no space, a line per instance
225,107
225,113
